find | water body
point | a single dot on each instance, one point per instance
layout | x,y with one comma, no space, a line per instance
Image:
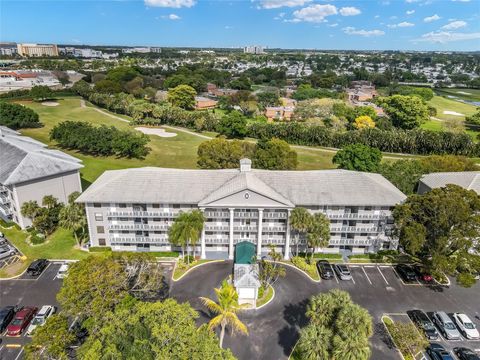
474,103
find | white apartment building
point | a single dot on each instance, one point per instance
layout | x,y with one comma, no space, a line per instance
132,209
37,50
254,49
30,171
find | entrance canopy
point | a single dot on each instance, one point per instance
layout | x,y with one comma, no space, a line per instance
244,252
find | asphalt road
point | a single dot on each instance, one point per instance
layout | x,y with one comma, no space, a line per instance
273,330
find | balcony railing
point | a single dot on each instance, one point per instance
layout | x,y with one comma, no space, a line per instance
245,228
275,215
138,226
5,210
158,214
355,229
243,215
139,239
217,227
217,214
355,216
4,199
267,228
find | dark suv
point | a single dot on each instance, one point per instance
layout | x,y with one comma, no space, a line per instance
37,267
325,269
6,315
423,322
406,272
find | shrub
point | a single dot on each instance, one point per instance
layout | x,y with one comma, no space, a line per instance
99,248
302,264
16,116
37,238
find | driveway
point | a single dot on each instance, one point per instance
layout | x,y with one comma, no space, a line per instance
273,330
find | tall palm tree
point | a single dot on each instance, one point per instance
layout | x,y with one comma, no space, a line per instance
313,343
30,209
49,201
318,232
186,230
353,316
72,217
322,309
353,348
226,310
300,220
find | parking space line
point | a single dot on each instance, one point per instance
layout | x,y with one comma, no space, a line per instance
367,276
352,278
335,276
383,276
354,266
20,353
44,271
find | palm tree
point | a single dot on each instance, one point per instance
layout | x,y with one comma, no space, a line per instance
30,209
72,217
300,219
318,233
49,201
353,348
322,308
313,343
226,310
355,317
186,230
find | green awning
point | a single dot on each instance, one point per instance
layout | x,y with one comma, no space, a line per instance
244,252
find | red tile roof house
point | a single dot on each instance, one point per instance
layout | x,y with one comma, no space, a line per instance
202,103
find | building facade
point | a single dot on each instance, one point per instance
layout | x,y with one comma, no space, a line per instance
37,50
132,209
30,171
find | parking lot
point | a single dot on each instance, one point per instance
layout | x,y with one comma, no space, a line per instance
27,290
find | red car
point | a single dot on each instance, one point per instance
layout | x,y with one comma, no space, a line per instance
21,320
423,275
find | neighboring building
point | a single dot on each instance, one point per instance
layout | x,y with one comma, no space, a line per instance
156,50
140,50
254,49
8,48
132,209
279,112
29,171
37,50
25,79
87,53
469,180
212,90
202,103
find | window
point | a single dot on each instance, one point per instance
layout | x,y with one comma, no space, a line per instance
100,230
122,206
98,217
102,242
97,205
155,206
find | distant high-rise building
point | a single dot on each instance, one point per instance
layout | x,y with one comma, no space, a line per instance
8,48
36,50
254,49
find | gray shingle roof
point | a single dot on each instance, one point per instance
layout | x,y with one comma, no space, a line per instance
319,187
246,275
467,179
23,159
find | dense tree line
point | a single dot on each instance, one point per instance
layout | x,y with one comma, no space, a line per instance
16,116
415,141
101,141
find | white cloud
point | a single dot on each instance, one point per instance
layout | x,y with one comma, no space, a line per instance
275,4
410,12
411,1
432,18
228,27
314,13
447,36
352,31
376,16
349,11
401,25
174,17
333,25
461,0
454,25
170,3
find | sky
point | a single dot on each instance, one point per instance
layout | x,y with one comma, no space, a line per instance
441,25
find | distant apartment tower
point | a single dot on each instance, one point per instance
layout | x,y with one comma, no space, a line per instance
8,48
37,50
254,49
30,171
157,50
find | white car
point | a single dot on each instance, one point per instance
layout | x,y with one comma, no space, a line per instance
466,326
62,272
39,320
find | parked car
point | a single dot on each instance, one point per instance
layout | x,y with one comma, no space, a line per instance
37,267
423,322
438,352
465,354
21,320
45,312
6,251
6,315
325,269
62,272
446,325
466,326
406,272
342,271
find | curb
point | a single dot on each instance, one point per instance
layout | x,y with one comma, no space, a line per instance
193,267
268,302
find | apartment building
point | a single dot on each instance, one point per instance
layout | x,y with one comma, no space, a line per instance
132,209
30,171
37,50
469,180
254,49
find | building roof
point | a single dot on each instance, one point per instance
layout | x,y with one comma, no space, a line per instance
246,275
298,188
469,180
244,252
23,159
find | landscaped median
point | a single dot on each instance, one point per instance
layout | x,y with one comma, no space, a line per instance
405,337
383,257
302,264
182,268
264,297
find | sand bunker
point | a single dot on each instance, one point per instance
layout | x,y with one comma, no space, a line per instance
156,131
464,93
454,113
50,103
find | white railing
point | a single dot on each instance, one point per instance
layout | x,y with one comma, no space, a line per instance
355,229
217,227
274,228
245,228
251,215
158,214
275,215
4,199
356,216
138,239
138,227
217,214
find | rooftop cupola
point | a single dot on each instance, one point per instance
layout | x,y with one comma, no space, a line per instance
245,165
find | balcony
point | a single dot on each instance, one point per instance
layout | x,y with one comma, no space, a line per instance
355,229
217,214
217,227
274,215
138,226
245,228
147,214
246,215
5,210
354,216
139,239
4,199
357,242
276,228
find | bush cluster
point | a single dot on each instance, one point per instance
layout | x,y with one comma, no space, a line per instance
100,141
422,142
16,116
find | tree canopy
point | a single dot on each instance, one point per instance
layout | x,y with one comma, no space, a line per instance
441,227
233,125
358,157
406,112
16,116
182,96
274,154
220,153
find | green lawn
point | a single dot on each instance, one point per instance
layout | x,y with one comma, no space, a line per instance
444,104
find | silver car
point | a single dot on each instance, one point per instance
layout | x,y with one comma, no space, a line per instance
6,251
342,272
446,325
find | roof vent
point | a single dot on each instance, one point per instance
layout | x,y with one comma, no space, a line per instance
245,165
